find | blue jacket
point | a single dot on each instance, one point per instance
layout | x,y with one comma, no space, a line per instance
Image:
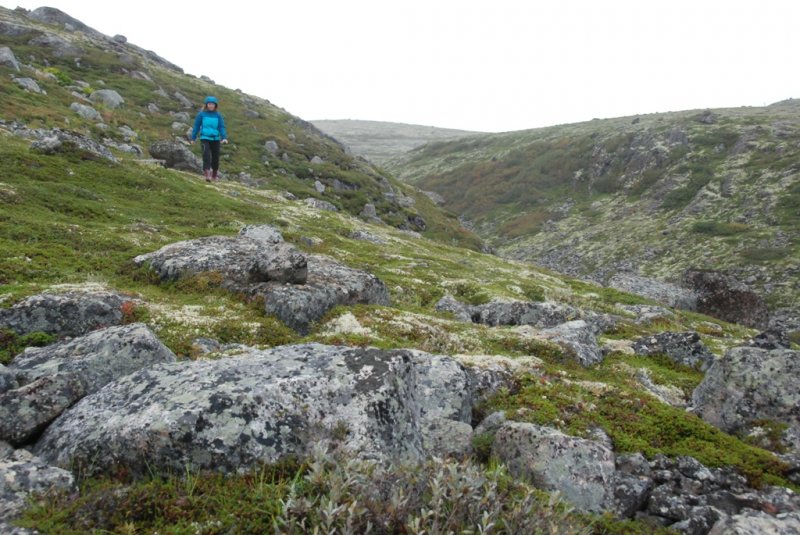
210,125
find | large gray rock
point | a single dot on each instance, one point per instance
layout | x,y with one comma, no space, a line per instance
57,46
107,97
581,470
758,523
235,413
7,58
176,155
51,15
29,84
684,348
329,284
241,260
51,379
578,338
87,112
266,233
22,475
56,140
537,314
450,304
726,298
67,314
750,384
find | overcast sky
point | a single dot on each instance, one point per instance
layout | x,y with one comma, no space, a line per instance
488,65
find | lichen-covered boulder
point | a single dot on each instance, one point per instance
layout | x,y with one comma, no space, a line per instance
51,379
240,260
72,313
329,284
758,523
176,155
578,339
750,384
107,97
684,348
260,406
22,474
581,470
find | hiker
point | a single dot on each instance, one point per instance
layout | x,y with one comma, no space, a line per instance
211,127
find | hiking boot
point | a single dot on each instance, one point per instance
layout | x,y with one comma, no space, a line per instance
207,174
214,174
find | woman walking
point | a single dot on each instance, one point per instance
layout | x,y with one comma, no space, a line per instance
211,127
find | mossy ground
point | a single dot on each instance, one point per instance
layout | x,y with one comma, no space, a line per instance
70,219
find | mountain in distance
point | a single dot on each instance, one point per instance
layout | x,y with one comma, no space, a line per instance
650,195
379,141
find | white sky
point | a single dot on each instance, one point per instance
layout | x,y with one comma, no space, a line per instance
491,65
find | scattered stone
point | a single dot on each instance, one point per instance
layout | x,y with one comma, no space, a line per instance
176,155
271,147
316,160
319,204
107,97
319,186
265,233
686,349
73,313
29,84
181,98
58,47
578,338
53,378
581,470
750,384
239,260
329,284
363,235
8,59
758,523
448,303
87,112
56,140
21,476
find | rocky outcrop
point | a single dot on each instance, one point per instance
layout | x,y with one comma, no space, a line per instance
683,348
297,289
56,140
724,297
107,97
581,470
329,284
234,413
7,58
72,313
758,523
240,260
176,155
578,338
750,384
51,379
22,474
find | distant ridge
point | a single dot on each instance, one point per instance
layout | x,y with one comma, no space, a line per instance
380,141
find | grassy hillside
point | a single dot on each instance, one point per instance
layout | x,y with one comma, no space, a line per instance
72,219
380,141
72,65
658,193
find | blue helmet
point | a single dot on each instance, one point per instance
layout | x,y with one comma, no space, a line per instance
212,100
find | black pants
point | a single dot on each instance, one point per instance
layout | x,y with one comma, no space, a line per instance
210,154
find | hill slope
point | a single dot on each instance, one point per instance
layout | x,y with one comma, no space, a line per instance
380,141
655,194
70,69
548,354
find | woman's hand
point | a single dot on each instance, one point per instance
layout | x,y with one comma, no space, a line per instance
224,141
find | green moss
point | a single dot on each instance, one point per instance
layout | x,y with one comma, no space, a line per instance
716,228
637,422
11,343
